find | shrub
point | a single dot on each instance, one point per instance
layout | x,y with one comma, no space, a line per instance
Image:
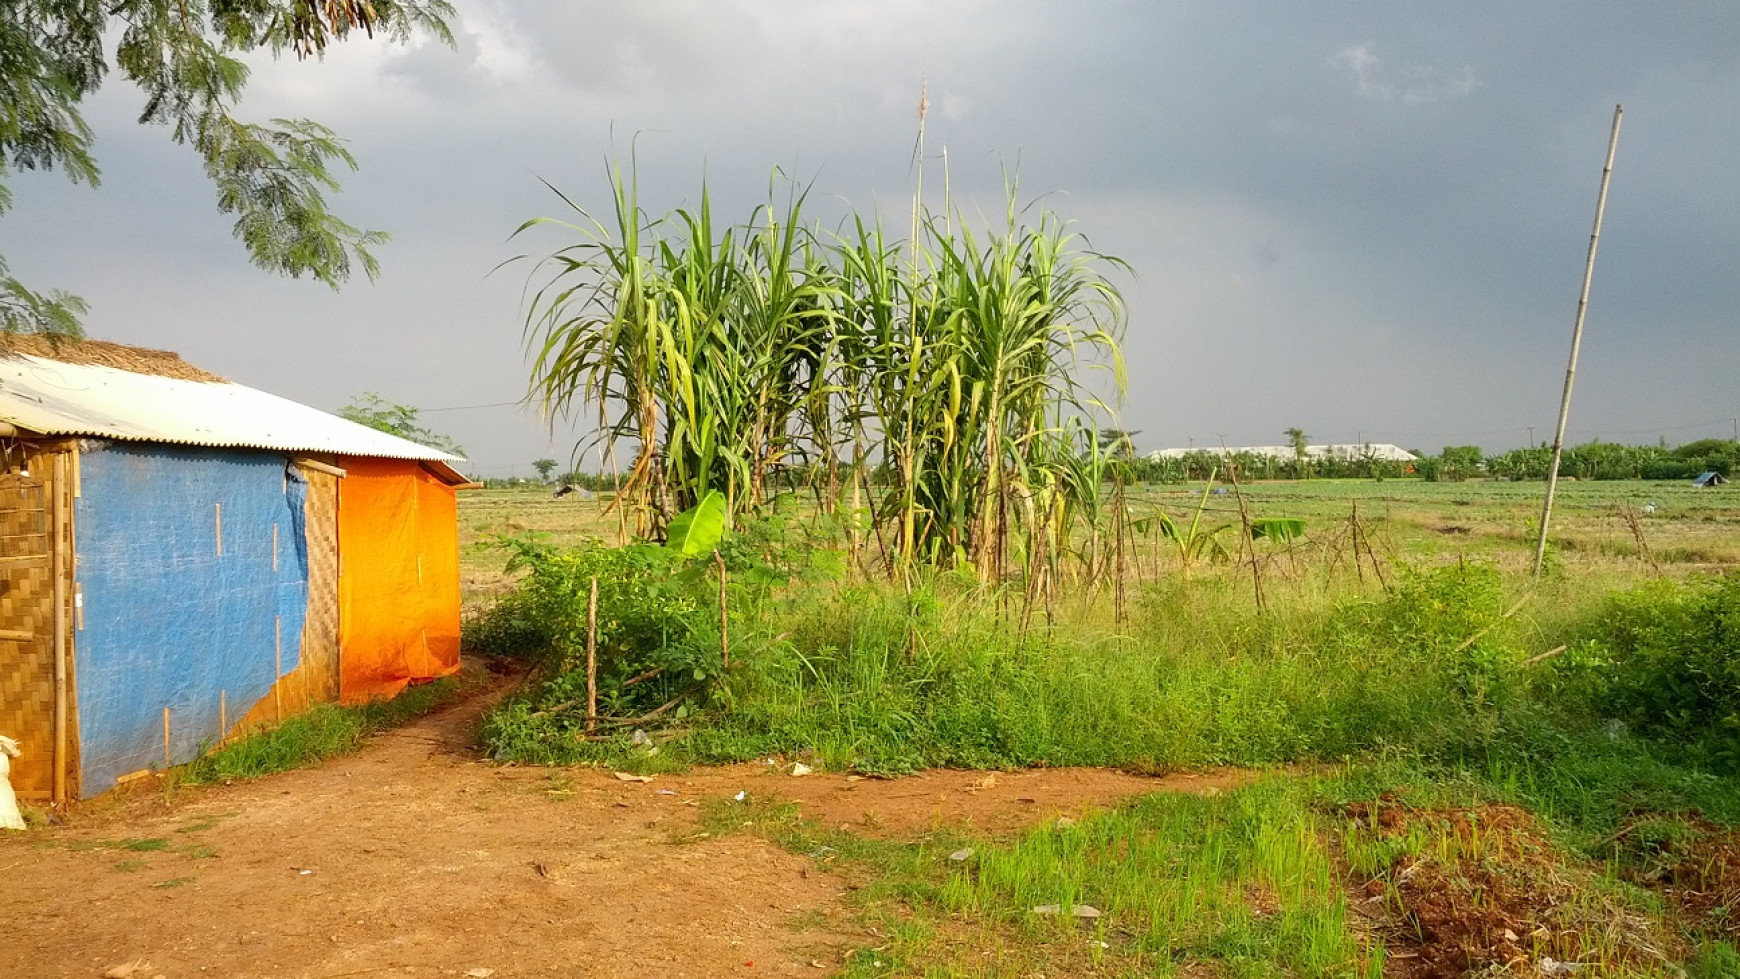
1663,661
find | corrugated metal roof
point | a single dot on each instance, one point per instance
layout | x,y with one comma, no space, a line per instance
55,398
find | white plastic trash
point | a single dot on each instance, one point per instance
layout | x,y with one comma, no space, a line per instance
10,817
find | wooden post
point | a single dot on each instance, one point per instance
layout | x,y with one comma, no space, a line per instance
1232,473
724,618
219,510
1576,344
165,737
277,665
60,518
223,716
592,656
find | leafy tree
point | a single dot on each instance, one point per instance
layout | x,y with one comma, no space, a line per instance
181,55
1301,458
395,419
545,467
1119,443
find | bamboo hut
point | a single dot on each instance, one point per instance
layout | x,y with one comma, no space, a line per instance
182,556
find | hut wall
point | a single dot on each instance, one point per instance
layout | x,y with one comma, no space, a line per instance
315,678
34,511
399,577
192,588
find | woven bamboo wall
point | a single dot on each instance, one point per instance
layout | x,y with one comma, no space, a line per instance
32,509
315,678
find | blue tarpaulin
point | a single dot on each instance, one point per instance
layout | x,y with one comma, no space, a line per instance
193,584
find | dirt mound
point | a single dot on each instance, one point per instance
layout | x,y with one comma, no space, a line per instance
1454,891
1691,862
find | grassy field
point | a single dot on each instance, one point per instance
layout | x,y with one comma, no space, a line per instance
1471,772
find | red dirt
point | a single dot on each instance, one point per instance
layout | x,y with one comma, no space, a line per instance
1487,891
415,858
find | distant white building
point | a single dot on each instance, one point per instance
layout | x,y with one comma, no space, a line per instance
1379,451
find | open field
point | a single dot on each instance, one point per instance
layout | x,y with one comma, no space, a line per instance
1444,772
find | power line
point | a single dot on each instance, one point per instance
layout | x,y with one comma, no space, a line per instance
495,404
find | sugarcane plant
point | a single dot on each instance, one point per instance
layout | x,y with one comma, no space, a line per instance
941,379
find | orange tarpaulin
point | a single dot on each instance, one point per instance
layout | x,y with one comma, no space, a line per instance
398,585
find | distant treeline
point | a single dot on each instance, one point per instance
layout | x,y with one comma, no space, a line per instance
1591,460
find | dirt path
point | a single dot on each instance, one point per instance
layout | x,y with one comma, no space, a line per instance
415,858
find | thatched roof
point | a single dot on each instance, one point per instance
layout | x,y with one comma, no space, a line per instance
101,353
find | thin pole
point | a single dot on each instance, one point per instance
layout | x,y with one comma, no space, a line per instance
60,517
592,656
1576,345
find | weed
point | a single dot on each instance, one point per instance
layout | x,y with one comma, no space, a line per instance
129,866
321,732
172,882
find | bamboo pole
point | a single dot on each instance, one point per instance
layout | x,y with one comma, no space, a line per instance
592,656
724,617
277,665
1576,345
59,521
165,737
223,716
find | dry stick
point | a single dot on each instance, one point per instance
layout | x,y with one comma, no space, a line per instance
592,657
1549,654
1232,472
1514,609
724,618
1630,517
1576,344
1118,528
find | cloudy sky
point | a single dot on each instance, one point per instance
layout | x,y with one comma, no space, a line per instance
1365,219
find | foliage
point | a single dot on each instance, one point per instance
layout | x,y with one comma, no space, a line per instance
729,354
323,731
182,56
396,419
1662,661
544,467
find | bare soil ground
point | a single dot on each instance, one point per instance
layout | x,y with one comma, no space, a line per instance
416,858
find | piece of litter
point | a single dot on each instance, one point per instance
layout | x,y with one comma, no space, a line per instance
305,873
1549,967
962,854
740,796
1077,910
799,770
480,973
626,777
640,737
822,852
666,792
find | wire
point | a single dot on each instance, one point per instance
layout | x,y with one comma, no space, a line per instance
494,404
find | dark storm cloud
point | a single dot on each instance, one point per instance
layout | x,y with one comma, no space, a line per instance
1362,218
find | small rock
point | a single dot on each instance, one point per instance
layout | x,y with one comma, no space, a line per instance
961,855
127,970
626,777
799,770
480,973
640,737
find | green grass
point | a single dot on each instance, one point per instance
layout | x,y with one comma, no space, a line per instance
321,732
1453,682
1257,881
